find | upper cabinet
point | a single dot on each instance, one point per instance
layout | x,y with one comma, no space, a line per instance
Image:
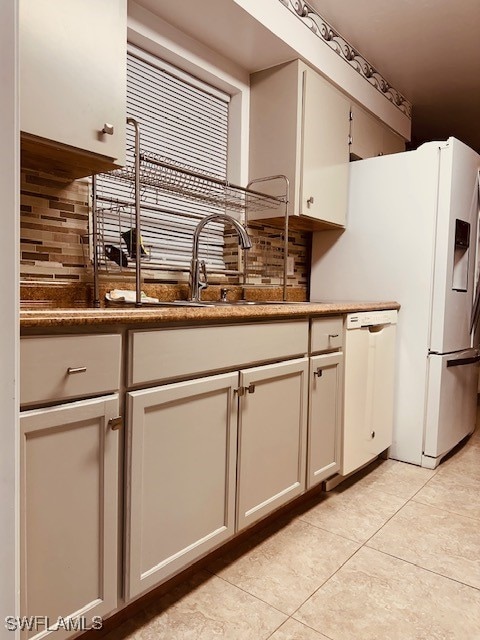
370,137
300,127
73,85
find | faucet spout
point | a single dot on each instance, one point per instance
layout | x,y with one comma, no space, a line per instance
243,240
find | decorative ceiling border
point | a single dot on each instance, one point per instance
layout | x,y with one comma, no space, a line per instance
347,52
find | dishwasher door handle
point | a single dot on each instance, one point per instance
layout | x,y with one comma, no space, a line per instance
377,328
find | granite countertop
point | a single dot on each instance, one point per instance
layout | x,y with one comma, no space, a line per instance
75,317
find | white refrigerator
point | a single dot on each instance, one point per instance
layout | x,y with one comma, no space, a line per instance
411,236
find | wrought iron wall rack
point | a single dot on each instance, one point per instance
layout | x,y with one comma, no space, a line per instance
167,176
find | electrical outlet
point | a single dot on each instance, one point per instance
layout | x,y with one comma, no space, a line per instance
290,266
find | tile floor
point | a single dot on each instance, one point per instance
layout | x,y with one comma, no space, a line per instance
392,555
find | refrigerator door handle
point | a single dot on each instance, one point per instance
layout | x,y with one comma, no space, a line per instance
458,362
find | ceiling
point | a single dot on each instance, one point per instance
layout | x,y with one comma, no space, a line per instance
429,50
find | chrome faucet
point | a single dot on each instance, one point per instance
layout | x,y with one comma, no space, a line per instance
196,286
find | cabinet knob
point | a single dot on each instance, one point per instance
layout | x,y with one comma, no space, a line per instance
372,434
310,201
115,423
108,129
241,391
318,372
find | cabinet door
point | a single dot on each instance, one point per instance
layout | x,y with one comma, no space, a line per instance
325,417
325,150
272,438
366,135
392,142
181,488
370,137
69,510
73,73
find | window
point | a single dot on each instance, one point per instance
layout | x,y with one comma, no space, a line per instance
185,122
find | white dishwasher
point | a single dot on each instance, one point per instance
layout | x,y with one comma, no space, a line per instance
369,387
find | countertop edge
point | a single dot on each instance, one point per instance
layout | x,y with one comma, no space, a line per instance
58,318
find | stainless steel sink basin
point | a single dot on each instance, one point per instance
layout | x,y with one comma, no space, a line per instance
235,303
217,303
174,303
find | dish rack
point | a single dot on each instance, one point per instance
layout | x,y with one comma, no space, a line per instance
165,178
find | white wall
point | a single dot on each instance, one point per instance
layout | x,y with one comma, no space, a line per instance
9,323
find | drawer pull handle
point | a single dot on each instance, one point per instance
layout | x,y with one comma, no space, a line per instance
115,423
318,372
71,370
333,335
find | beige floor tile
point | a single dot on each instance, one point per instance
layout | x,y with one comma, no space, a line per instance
284,567
434,539
355,511
453,491
397,478
473,439
465,461
376,596
204,609
293,630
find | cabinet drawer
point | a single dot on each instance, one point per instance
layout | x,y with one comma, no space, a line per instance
62,367
173,353
327,334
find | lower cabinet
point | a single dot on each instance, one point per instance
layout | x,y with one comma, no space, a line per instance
69,515
204,458
181,484
189,488
272,438
325,417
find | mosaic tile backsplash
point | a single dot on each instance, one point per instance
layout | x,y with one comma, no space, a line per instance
53,228
54,231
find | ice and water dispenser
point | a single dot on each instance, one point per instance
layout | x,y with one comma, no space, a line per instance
460,256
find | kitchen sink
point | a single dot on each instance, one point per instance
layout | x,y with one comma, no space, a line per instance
239,303
233,303
218,303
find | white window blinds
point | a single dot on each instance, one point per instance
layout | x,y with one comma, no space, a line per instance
186,123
